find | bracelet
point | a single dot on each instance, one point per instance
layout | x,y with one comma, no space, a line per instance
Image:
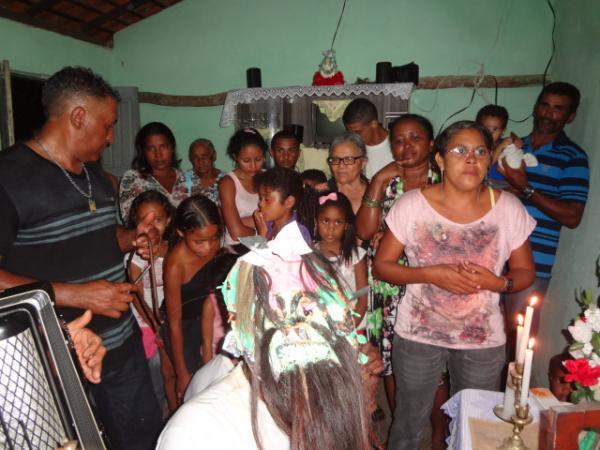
508,284
371,202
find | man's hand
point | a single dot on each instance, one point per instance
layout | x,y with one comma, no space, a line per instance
101,297
517,178
88,347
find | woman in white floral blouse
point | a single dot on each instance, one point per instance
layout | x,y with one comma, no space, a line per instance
155,167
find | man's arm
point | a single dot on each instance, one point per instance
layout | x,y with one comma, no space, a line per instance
567,213
101,297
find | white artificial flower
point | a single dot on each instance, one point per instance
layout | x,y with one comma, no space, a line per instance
594,361
581,331
596,392
587,349
592,315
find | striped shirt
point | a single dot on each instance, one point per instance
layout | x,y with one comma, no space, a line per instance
47,232
563,174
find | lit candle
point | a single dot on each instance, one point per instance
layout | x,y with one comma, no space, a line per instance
519,335
527,373
508,408
526,330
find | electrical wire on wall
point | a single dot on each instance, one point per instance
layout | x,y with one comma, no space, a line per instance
480,75
338,25
549,59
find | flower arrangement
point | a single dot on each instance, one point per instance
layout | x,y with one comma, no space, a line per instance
584,369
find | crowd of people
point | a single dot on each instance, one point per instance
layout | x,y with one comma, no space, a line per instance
273,302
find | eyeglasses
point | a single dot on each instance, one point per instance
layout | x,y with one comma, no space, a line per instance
347,160
463,152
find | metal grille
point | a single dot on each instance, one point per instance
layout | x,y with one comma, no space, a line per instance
29,417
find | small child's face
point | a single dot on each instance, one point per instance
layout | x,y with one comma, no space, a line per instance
271,205
558,386
331,224
203,242
494,126
307,182
161,221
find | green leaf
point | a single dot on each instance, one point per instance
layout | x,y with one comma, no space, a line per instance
577,396
587,297
596,341
576,346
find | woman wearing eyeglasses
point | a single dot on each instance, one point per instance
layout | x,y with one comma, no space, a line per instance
457,236
347,160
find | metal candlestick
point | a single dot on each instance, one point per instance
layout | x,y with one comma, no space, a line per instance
520,419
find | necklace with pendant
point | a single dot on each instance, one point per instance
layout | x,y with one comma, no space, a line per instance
88,195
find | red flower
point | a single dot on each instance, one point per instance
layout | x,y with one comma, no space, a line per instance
581,372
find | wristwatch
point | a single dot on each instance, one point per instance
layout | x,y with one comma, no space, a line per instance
508,284
527,192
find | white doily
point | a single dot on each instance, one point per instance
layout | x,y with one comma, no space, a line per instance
402,90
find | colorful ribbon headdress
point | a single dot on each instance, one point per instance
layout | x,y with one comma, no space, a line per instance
304,314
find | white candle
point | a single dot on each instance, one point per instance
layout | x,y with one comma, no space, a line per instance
508,408
526,373
519,335
526,330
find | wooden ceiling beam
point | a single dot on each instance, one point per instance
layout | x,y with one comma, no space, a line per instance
35,22
43,5
128,7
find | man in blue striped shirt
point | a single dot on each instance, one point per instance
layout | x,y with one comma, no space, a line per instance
554,192
58,223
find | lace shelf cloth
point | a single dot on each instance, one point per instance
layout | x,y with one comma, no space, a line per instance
402,90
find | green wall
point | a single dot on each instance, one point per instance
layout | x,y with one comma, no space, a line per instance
200,48
36,51
577,61
204,47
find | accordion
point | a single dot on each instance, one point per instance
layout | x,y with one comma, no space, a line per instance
42,401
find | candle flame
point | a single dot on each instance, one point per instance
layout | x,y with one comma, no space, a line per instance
531,343
520,320
533,300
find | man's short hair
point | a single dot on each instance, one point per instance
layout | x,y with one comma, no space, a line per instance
283,134
70,82
360,110
562,88
493,111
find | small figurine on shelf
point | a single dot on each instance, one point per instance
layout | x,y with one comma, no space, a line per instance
328,73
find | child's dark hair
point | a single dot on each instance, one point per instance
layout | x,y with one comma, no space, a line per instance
556,362
285,181
197,211
314,175
243,138
152,196
493,111
340,201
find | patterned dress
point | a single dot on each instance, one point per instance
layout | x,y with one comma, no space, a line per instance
133,184
385,297
195,187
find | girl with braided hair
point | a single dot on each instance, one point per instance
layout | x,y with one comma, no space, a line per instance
300,384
